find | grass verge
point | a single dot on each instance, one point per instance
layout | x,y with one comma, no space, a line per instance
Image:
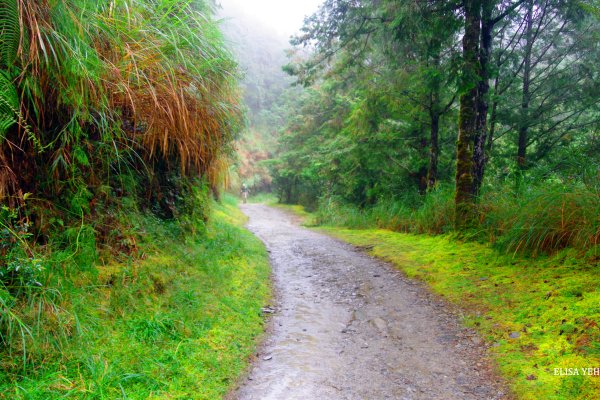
179,324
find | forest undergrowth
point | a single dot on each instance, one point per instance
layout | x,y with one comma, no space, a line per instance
119,276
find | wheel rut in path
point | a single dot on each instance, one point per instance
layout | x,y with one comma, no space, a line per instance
347,326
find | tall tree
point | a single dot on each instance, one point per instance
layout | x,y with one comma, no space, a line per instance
412,38
467,125
479,23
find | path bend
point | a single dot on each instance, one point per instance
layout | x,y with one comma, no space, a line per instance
349,327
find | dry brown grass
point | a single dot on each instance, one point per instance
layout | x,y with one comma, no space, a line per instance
144,78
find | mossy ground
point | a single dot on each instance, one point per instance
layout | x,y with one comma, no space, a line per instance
179,324
552,302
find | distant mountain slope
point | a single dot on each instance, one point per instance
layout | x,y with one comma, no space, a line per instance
261,54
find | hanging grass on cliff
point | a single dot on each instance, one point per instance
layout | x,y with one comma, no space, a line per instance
91,90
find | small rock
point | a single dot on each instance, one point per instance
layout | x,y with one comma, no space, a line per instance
267,357
267,310
514,335
379,323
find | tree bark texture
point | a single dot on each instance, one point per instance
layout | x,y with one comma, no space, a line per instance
479,154
467,123
434,150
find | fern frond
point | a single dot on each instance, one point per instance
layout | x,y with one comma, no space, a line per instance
9,102
10,112
10,32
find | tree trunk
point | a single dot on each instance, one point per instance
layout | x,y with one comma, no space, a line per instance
493,115
434,122
479,155
467,121
434,150
526,99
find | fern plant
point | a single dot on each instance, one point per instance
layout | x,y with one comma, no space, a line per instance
10,37
9,104
10,32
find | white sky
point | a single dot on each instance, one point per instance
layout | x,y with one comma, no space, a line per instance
284,16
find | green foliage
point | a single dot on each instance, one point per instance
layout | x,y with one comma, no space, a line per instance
263,198
20,274
543,219
9,104
372,141
19,267
116,120
152,330
431,214
181,323
10,32
266,92
143,86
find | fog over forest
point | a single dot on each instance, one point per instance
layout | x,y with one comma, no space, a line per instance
261,50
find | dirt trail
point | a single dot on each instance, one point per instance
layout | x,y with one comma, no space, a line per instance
347,326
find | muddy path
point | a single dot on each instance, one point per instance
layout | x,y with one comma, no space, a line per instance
346,326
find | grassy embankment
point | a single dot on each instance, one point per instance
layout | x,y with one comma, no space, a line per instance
550,305
179,324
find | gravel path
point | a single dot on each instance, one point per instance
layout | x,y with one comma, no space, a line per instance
347,326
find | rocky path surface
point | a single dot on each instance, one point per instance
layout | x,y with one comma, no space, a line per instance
346,326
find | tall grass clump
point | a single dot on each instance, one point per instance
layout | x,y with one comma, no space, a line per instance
431,213
180,322
543,218
540,219
103,87
392,214
436,214
332,211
